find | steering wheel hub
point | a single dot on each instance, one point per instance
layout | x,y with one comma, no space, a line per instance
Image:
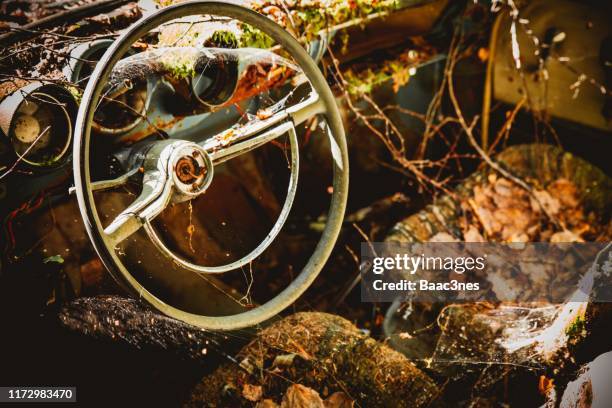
191,169
188,170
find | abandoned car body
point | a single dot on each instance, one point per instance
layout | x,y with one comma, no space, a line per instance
174,176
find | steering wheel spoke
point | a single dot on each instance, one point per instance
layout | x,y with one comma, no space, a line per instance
276,228
109,184
234,142
308,108
247,144
155,196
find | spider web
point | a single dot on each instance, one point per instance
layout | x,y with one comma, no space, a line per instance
484,338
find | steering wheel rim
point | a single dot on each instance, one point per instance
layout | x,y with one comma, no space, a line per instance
339,153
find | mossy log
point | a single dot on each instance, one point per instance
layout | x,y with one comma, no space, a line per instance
129,321
539,162
579,339
321,351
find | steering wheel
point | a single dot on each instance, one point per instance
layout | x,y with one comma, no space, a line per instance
177,170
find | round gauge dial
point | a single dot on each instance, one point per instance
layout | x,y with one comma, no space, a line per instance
41,130
122,112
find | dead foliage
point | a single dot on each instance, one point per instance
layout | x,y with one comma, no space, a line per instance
325,353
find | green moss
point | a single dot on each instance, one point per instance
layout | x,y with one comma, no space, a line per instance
55,259
181,71
398,68
180,63
577,328
255,38
313,21
309,18
222,39
76,93
364,81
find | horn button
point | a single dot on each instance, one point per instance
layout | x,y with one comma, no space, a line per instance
192,171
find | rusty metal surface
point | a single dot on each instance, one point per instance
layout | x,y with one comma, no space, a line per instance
564,91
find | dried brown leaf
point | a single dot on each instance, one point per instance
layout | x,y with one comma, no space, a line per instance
252,392
267,403
299,396
339,400
284,360
443,237
565,191
566,236
473,235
